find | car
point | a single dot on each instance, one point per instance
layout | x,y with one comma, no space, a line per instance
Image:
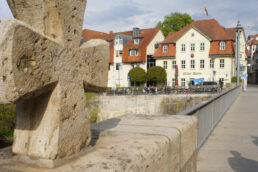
206,86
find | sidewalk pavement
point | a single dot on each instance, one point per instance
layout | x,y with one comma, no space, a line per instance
233,145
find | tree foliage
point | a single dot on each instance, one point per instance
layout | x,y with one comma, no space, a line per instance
157,74
137,75
174,22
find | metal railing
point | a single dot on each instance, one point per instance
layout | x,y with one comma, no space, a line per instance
210,112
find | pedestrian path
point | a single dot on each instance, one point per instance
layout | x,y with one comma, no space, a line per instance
233,146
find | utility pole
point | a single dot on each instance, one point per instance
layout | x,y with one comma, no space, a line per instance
237,52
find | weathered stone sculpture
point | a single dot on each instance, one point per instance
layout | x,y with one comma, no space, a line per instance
44,71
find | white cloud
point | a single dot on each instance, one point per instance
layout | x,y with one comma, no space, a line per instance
120,15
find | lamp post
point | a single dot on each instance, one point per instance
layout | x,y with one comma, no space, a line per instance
238,31
213,71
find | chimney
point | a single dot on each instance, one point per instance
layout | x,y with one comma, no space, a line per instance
136,31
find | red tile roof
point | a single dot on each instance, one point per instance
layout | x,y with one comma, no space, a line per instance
253,42
231,32
147,36
254,36
91,34
247,53
171,51
214,49
209,28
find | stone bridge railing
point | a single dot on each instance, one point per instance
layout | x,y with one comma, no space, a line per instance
210,112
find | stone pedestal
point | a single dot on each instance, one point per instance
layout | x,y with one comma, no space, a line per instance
45,71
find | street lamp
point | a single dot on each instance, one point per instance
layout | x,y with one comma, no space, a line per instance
213,71
238,31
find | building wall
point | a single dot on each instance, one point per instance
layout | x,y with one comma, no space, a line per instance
157,39
119,78
193,36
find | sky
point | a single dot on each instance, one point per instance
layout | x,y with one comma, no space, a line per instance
123,15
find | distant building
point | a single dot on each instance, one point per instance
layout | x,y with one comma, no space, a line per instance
128,50
202,50
253,61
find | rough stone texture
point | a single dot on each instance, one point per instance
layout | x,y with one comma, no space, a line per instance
44,70
132,143
116,106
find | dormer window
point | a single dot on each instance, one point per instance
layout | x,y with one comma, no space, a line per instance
222,45
134,52
136,41
118,40
156,46
165,48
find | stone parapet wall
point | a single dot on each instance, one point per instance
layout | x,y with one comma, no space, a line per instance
132,143
116,106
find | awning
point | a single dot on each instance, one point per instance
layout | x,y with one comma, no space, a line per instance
197,80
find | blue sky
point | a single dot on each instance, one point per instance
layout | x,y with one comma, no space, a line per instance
121,15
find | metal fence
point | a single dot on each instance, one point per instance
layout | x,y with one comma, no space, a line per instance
157,91
210,112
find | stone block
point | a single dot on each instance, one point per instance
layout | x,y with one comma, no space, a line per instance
133,143
44,71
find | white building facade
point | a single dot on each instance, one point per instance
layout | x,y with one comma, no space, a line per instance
198,55
131,51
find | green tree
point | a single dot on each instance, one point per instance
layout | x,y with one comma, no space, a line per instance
157,75
137,75
174,22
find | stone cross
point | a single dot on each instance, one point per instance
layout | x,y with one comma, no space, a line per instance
44,71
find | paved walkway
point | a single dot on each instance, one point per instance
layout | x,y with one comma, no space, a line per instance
233,146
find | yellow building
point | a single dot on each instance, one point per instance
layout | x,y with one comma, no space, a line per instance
202,50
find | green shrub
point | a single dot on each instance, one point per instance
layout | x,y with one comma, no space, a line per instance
234,79
7,120
157,74
137,75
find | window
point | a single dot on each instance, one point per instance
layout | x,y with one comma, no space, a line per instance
150,61
134,52
183,64
132,65
183,47
137,64
109,66
202,46
136,41
165,48
202,64
120,53
118,40
156,46
211,64
222,45
117,53
173,64
117,66
182,82
193,47
192,64
173,82
165,64
222,63
193,34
